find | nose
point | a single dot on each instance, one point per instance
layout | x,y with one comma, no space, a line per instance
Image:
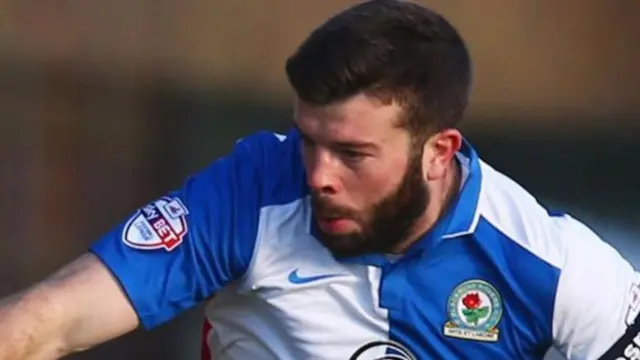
321,170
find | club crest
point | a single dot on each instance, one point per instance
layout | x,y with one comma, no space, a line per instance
474,310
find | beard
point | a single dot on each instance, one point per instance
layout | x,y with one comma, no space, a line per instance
389,221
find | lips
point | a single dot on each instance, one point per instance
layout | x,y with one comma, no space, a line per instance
334,225
332,219
331,213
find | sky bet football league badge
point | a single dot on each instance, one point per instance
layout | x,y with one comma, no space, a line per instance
474,309
159,224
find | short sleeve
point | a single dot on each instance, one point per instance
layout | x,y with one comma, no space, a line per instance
597,298
180,249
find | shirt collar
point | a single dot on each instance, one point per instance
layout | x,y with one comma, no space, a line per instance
462,217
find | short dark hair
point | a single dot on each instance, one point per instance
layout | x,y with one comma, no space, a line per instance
393,50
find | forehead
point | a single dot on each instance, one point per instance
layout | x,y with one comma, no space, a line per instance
358,117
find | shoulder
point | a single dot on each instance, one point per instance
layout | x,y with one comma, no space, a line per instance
507,208
277,168
263,169
573,288
553,237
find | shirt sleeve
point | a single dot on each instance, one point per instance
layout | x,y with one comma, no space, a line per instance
179,249
597,299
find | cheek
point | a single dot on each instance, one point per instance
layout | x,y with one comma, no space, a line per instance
370,184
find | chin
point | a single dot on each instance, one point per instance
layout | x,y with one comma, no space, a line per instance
345,245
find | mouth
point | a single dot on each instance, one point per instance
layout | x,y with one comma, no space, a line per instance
336,225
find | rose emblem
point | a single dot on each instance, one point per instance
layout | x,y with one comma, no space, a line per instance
474,311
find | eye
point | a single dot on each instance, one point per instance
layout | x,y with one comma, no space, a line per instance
306,142
352,155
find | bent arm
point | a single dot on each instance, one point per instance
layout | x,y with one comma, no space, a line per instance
168,256
80,306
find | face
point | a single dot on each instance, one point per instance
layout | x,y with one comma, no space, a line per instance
366,178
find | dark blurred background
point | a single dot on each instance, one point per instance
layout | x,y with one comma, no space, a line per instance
107,104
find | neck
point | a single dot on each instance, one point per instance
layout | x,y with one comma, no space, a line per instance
441,195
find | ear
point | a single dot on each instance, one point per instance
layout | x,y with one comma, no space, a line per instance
438,153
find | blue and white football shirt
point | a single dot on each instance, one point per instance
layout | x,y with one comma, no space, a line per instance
497,278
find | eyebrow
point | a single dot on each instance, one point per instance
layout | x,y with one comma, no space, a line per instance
352,144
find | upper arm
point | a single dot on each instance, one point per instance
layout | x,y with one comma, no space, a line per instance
179,249
597,296
89,302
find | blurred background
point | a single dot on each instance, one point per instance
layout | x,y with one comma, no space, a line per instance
107,104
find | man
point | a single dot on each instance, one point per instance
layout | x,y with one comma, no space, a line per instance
371,230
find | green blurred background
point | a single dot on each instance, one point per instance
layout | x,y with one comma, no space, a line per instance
107,104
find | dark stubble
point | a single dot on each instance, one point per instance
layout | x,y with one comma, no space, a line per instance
391,220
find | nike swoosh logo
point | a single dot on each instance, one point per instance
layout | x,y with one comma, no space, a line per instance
294,278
